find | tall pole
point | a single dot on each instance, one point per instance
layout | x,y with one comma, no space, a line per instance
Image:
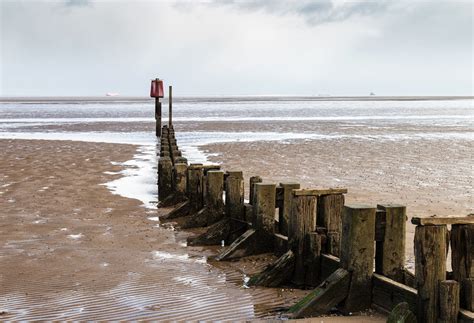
170,112
158,114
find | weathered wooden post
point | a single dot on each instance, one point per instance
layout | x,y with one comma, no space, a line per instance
180,170
302,221
165,178
467,295
194,186
390,245
213,197
430,269
264,214
462,258
448,301
234,195
253,180
170,107
330,207
284,211
357,254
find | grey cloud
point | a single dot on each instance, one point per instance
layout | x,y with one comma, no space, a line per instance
78,3
313,11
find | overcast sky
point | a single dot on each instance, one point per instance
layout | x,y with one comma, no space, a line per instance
81,47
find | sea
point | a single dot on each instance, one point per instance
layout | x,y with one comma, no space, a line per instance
201,121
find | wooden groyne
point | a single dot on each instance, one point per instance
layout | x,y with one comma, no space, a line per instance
351,256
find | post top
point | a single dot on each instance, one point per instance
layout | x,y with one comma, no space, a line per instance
235,173
385,206
356,206
213,171
318,191
434,220
290,184
265,184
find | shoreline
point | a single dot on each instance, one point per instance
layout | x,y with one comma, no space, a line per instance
259,98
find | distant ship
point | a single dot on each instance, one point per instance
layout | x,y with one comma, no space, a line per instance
372,93
111,94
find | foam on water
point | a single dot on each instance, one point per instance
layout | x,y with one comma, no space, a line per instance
140,178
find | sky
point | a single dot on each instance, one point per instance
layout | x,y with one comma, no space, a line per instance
261,47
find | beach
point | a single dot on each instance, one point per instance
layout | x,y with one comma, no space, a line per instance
82,238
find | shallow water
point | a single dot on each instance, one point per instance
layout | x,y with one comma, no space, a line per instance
201,122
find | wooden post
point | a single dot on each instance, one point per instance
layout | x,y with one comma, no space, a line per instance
158,115
390,253
234,195
467,294
214,190
430,269
312,249
170,107
264,214
302,222
462,247
462,257
357,254
194,185
284,212
180,170
165,178
448,301
253,180
330,216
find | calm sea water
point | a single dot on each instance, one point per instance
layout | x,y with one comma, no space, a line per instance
203,121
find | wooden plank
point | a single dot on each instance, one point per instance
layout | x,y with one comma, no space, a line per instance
180,210
241,247
329,264
430,269
214,234
319,191
357,254
387,293
448,301
276,273
326,296
443,220
465,316
281,244
401,314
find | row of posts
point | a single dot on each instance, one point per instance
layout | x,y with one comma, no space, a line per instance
311,222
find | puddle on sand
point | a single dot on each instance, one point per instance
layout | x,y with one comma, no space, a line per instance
140,177
75,236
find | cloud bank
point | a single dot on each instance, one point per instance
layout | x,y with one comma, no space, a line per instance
80,47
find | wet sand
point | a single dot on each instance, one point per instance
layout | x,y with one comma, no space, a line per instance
72,250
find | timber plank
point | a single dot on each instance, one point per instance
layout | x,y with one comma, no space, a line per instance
319,191
443,220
